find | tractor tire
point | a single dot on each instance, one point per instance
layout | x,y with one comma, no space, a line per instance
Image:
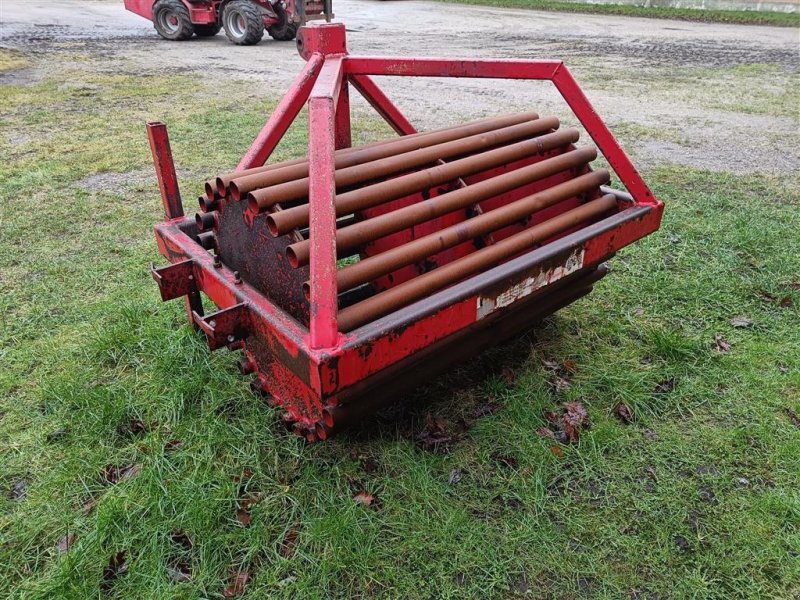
284,30
207,30
171,20
242,22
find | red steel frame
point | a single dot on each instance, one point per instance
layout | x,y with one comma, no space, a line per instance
314,367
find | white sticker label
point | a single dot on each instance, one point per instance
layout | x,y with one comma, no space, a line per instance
487,305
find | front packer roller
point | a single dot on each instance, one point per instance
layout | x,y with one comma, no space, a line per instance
351,275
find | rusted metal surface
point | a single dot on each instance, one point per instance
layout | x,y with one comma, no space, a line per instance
368,230
372,267
165,169
396,163
419,287
261,199
477,250
284,221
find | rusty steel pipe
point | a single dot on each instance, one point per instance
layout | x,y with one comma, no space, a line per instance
383,166
223,181
389,300
414,251
280,223
207,204
207,240
219,186
362,232
206,220
348,157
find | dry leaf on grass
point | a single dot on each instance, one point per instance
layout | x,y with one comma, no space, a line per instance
364,498
237,584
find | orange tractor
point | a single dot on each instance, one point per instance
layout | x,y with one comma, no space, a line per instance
244,21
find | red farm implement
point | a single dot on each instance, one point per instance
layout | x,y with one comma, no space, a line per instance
244,21
351,275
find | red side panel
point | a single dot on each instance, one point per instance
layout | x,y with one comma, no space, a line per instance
143,8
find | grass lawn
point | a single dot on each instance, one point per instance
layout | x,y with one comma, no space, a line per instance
742,17
136,464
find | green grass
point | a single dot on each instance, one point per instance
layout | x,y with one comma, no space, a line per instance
742,17
697,498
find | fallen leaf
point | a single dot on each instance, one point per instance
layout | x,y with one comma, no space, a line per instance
289,543
721,343
546,433
576,417
665,386
172,445
786,302
486,409
364,498
624,412
506,460
237,585
455,476
134,427
129,472
434,436
65,543
552,417
741,321
113,474
117,565
180,572
20,490
557,451
243,516
550,364
793,417
561,384
570,366
509,376
764,295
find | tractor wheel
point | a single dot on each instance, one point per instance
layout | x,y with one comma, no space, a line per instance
207,30
284,30
171,20
243,23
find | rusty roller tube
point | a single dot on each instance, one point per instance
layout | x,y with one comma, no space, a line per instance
416,250
348,157
219,187
206,220
208,204
208,240
260,200
282,222
360,233
222,182
404,294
